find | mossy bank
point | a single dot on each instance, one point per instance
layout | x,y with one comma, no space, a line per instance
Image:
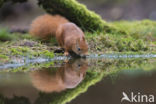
140,38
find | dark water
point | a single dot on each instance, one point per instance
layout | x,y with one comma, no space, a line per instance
110,92
81,81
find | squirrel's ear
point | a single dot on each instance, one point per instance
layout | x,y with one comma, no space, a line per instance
82,39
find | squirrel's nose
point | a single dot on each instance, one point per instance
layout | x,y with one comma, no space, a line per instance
84,55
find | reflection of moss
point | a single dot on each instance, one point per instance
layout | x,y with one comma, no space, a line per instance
98,70
111,66
95,74
68,95
31,67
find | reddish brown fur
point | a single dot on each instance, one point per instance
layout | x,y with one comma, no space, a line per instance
46,25
68,76
69,36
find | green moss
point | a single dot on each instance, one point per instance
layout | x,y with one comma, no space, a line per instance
139,37
108,42
79,14
48,54
15,51
5,36
24,48
138,29
3,56
27,51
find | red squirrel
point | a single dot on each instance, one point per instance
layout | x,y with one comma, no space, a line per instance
68,35
68,76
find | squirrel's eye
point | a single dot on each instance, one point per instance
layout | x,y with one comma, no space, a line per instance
78,65
79,49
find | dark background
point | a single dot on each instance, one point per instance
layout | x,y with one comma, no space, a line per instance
111,10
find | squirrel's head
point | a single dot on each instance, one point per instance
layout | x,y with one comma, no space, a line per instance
81,47
74,38
74,72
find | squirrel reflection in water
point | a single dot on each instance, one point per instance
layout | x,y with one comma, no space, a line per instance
67,76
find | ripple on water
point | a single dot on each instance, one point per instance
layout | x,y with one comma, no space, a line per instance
26,61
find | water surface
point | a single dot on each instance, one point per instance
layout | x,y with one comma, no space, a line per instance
92,80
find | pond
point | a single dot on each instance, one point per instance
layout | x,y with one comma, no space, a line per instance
94,80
